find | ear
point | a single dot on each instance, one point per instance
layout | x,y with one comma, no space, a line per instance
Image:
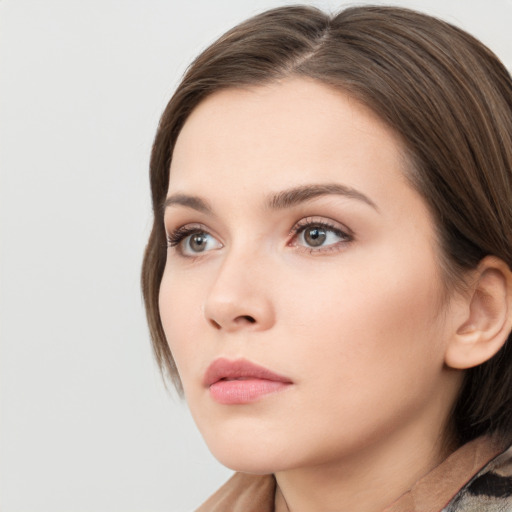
487,320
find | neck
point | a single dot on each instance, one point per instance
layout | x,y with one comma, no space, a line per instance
367,481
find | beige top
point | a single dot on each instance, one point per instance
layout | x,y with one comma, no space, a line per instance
255,493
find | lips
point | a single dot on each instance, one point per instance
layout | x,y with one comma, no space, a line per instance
241,382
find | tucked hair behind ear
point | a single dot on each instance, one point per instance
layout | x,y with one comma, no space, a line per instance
447,96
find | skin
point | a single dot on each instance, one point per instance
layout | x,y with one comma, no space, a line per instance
360,324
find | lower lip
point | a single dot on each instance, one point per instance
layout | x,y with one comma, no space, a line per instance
233,392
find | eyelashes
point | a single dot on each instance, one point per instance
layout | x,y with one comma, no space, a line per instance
175,237
192,240
313,235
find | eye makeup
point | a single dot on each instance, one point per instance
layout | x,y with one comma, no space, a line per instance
314,235
318,235
191,240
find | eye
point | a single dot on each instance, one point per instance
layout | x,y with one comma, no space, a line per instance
319,235
192,241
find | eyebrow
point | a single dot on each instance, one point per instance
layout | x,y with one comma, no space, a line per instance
280,200
194,202
301,194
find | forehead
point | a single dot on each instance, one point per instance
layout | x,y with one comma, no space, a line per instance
286,133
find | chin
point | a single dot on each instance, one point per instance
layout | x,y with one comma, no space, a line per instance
253,463
256,455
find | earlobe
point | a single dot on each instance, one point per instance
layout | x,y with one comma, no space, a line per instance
488,321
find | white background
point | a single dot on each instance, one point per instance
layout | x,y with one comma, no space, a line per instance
85,422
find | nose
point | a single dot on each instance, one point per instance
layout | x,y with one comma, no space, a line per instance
240,296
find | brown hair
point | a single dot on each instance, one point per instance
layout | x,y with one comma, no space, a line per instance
441,90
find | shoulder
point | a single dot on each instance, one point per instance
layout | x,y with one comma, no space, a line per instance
243,493
490,489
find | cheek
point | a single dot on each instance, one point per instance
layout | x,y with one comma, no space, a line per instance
179,300
369,326
367,351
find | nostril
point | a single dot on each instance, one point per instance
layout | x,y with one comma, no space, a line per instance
247,318
238,321
214,324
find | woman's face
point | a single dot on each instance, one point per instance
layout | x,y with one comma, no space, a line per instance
297,245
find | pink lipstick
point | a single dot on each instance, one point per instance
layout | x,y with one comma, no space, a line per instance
241,382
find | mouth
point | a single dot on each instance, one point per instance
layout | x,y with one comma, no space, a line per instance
241,382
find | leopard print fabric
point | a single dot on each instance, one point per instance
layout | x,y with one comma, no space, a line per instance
490,490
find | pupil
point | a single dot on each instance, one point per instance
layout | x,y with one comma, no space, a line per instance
315,236
198,242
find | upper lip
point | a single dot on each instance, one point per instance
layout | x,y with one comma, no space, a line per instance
240,368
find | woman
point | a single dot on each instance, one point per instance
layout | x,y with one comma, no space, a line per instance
328,275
